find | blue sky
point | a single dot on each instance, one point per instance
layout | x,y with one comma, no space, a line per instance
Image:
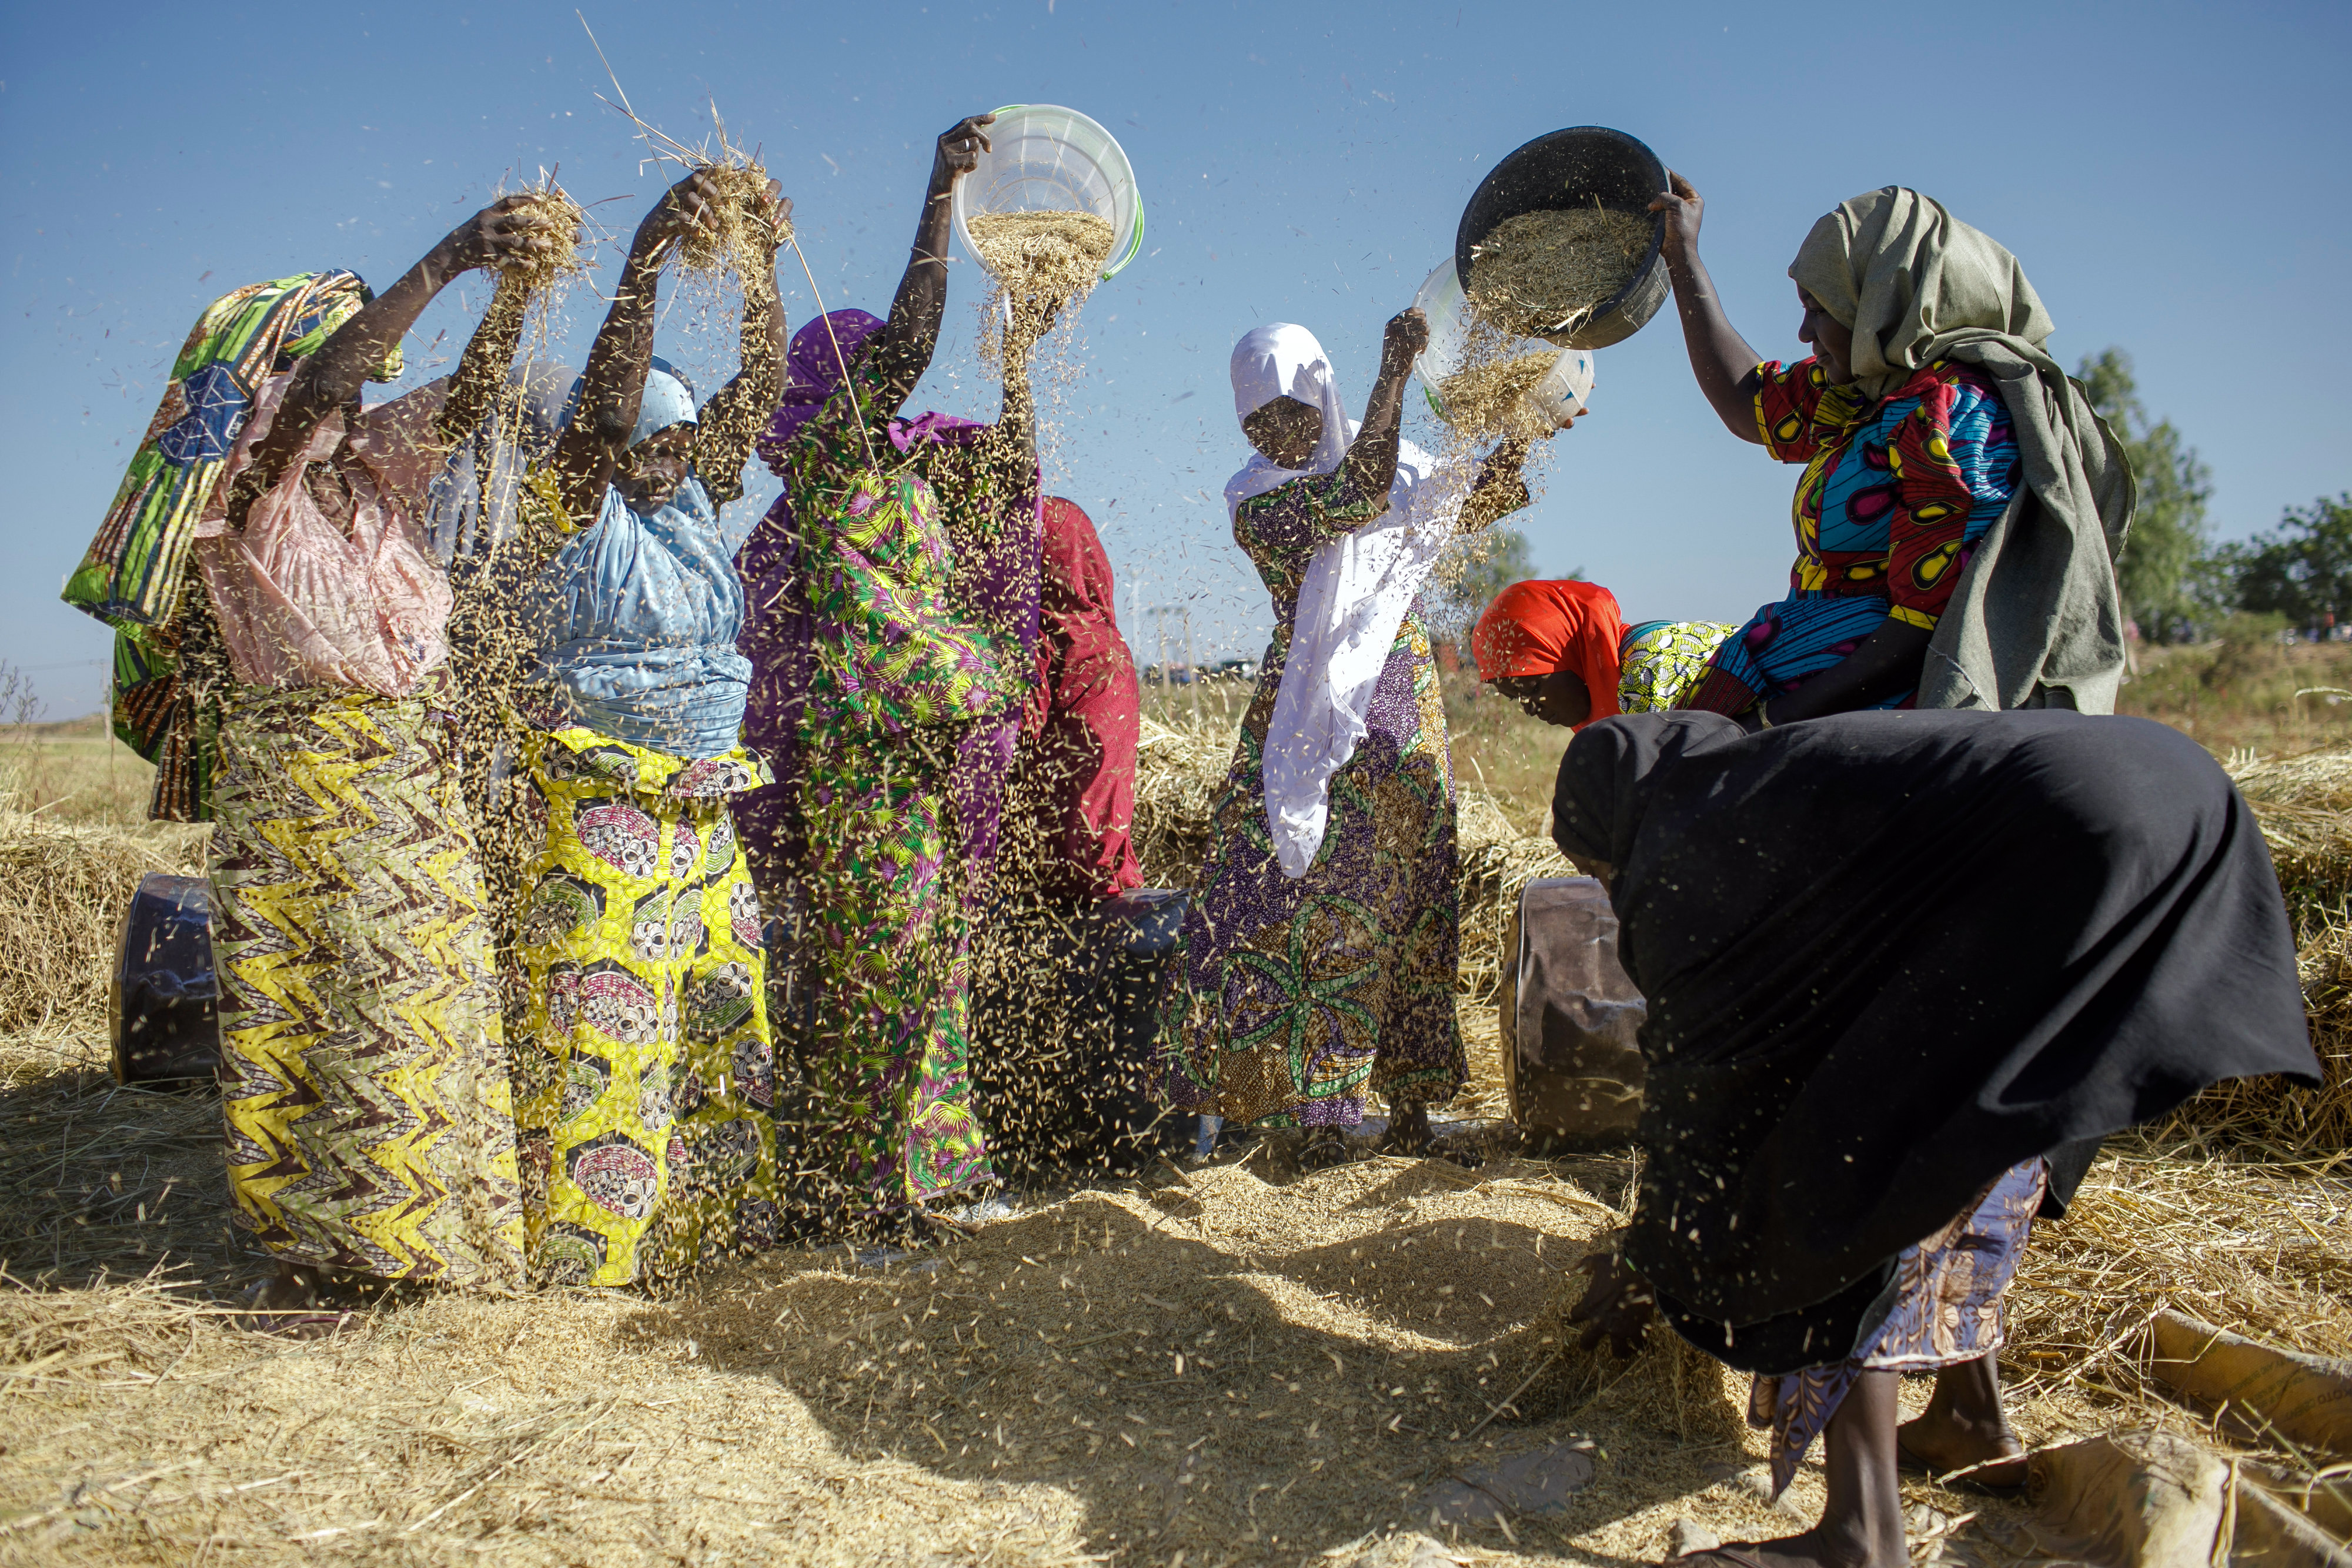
2174,180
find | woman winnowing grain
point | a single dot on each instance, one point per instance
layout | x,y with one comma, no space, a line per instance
363,1076
1961,504
642,1092
1321,948
896,591
1903,971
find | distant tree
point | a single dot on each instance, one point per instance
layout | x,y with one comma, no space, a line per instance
2301,569
2157,577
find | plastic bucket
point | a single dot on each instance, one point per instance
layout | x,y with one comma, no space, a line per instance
1575,168
1043,158
1441,300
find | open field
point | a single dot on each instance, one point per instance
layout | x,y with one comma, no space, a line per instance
1235,1364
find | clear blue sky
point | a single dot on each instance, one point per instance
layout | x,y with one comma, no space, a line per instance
2173,178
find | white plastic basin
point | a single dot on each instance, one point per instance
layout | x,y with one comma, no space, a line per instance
1043,158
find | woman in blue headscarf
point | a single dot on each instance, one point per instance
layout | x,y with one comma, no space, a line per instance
644,1086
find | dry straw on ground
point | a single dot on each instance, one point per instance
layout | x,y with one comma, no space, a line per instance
1540,274
67,888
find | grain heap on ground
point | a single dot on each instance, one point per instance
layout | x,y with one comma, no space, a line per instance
1491,399
1540,274
1043,257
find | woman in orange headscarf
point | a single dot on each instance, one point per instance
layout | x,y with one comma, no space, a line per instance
1562,650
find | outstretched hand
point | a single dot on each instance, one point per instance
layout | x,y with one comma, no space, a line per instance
1617,1305
1683,207
510,230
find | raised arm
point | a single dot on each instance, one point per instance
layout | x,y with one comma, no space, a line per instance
612,384
508,230
903,348
1719,356
483,368
737,412
1371,457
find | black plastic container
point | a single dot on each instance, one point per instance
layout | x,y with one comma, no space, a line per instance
163,1000
1573,168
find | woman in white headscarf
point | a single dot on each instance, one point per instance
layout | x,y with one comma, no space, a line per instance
1320,947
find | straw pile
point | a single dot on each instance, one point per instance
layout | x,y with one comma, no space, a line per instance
67,888
1490,399
1177,774
1540,274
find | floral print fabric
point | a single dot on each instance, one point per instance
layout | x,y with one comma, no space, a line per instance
1298,997
648,1078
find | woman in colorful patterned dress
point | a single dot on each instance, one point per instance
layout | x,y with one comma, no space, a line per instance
905,664
370,1133
1320,944
1951,467
644,1089
1562,650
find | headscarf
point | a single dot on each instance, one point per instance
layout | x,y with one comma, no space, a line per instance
132,573
2034,620
667,402
1889,955
1356,593
1535,628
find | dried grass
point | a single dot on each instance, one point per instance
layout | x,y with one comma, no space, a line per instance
1050,253
737,237
1491,399
562,216
68,885
1541,274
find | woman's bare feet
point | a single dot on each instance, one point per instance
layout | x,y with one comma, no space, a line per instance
1964,1433
1862,1524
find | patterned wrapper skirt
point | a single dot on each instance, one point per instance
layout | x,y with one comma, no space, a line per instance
889,945
364,1068
1946,1310
645,1089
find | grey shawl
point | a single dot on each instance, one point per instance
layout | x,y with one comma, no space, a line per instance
2034,620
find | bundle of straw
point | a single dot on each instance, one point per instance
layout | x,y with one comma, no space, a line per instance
70,886
737,235
554,205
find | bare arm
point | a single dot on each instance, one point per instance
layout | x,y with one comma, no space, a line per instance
612,384
1887,663
730,421
1719,356
1371,457
903,349
483,368
332,377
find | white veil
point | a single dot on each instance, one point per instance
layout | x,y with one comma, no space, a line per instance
1355,592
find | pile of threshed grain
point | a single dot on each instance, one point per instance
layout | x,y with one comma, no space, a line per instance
1491,399
1540,274
67,886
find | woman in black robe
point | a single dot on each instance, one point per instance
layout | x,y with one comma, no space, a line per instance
1904,970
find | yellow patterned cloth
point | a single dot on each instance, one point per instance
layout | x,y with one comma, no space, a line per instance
648,1083
363,1072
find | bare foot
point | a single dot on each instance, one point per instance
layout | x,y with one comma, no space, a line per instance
1816,1548
1964,1432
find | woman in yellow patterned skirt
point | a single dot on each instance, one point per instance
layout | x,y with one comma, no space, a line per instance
647,1083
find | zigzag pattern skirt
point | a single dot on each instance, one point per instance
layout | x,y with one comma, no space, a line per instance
364,1067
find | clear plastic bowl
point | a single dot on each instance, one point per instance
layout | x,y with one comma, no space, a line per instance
1441,300
1043,158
